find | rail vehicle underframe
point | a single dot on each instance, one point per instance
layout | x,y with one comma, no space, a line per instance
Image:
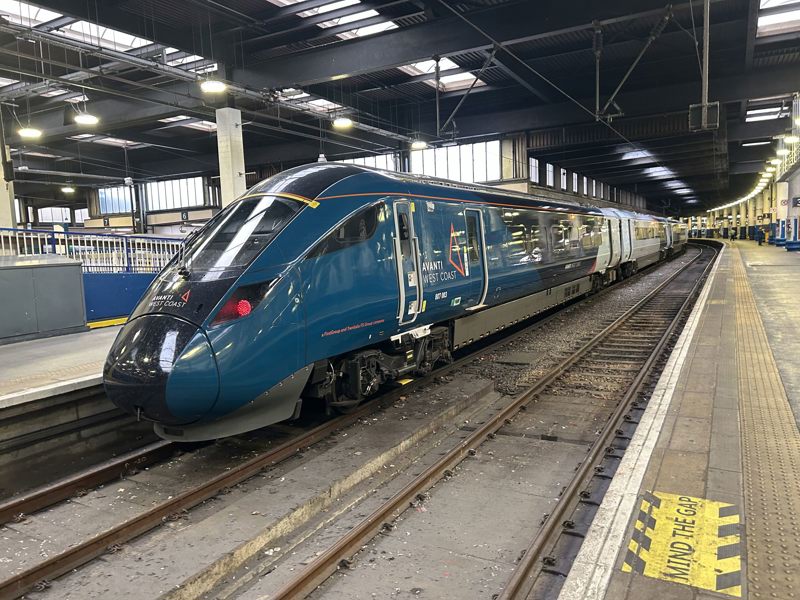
345,381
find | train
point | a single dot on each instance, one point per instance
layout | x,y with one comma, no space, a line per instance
328,281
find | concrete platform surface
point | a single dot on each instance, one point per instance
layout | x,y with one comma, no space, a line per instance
706,501
38,368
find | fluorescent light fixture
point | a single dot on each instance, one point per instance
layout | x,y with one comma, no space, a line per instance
68,189
419,144
755,143
791,139
782,151
29,133
342,122
213,86
84,118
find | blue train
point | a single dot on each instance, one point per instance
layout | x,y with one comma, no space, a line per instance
328,280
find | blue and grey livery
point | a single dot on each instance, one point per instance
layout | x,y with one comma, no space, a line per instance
328,280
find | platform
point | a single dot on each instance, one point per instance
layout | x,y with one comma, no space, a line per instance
40,368
706,501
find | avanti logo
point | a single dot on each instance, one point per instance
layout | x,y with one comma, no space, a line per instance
455,252
185,296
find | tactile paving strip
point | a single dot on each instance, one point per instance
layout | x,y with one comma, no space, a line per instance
771,456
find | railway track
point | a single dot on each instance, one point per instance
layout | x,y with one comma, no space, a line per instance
99,544
634,342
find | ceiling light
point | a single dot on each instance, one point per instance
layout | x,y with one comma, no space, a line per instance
84,118
29,133
770,170
775,161
782,151
797,121
68,189
342,122
213,86
791,139
419,144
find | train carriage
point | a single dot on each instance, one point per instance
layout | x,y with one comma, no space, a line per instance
328,280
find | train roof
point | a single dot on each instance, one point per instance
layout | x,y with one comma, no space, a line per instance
316,179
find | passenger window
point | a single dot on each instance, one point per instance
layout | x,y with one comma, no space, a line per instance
473,240
357,229
403,226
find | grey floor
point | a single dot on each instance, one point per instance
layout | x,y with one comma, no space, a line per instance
37,363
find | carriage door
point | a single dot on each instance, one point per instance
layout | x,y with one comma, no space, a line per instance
476,255
406,249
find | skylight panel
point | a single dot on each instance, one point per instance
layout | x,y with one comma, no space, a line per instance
775,20
290,94
326,8
368,30
766,113
323,105
205,68
183,60
201,125
53,93
112,141
26,14
80,136
174,119
4,81
42,154
102,36
448,83
365,14
76,99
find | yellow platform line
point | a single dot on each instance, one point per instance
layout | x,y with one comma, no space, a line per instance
106,322
770,452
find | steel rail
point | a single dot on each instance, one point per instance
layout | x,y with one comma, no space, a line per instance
84,552
521,581
305,581
67,487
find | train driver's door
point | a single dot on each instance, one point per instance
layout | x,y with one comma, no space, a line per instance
406,249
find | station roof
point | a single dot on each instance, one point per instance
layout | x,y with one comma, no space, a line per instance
506,66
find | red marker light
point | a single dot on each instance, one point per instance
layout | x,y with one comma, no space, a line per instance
243,307
242,302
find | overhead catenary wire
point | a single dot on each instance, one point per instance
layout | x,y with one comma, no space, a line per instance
549,81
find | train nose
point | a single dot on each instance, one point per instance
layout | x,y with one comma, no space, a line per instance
162,368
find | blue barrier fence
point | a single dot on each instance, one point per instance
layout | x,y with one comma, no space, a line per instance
98,252
111,295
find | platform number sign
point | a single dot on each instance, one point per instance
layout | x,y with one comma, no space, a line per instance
796,202
184,215
105,222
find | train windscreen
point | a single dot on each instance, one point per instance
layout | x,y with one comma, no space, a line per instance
238,234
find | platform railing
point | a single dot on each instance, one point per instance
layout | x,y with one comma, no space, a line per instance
98,252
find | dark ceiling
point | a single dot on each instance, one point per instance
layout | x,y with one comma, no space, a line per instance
535,61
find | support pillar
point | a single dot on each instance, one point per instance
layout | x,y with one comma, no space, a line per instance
230,148
8,218
781,195
793,197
